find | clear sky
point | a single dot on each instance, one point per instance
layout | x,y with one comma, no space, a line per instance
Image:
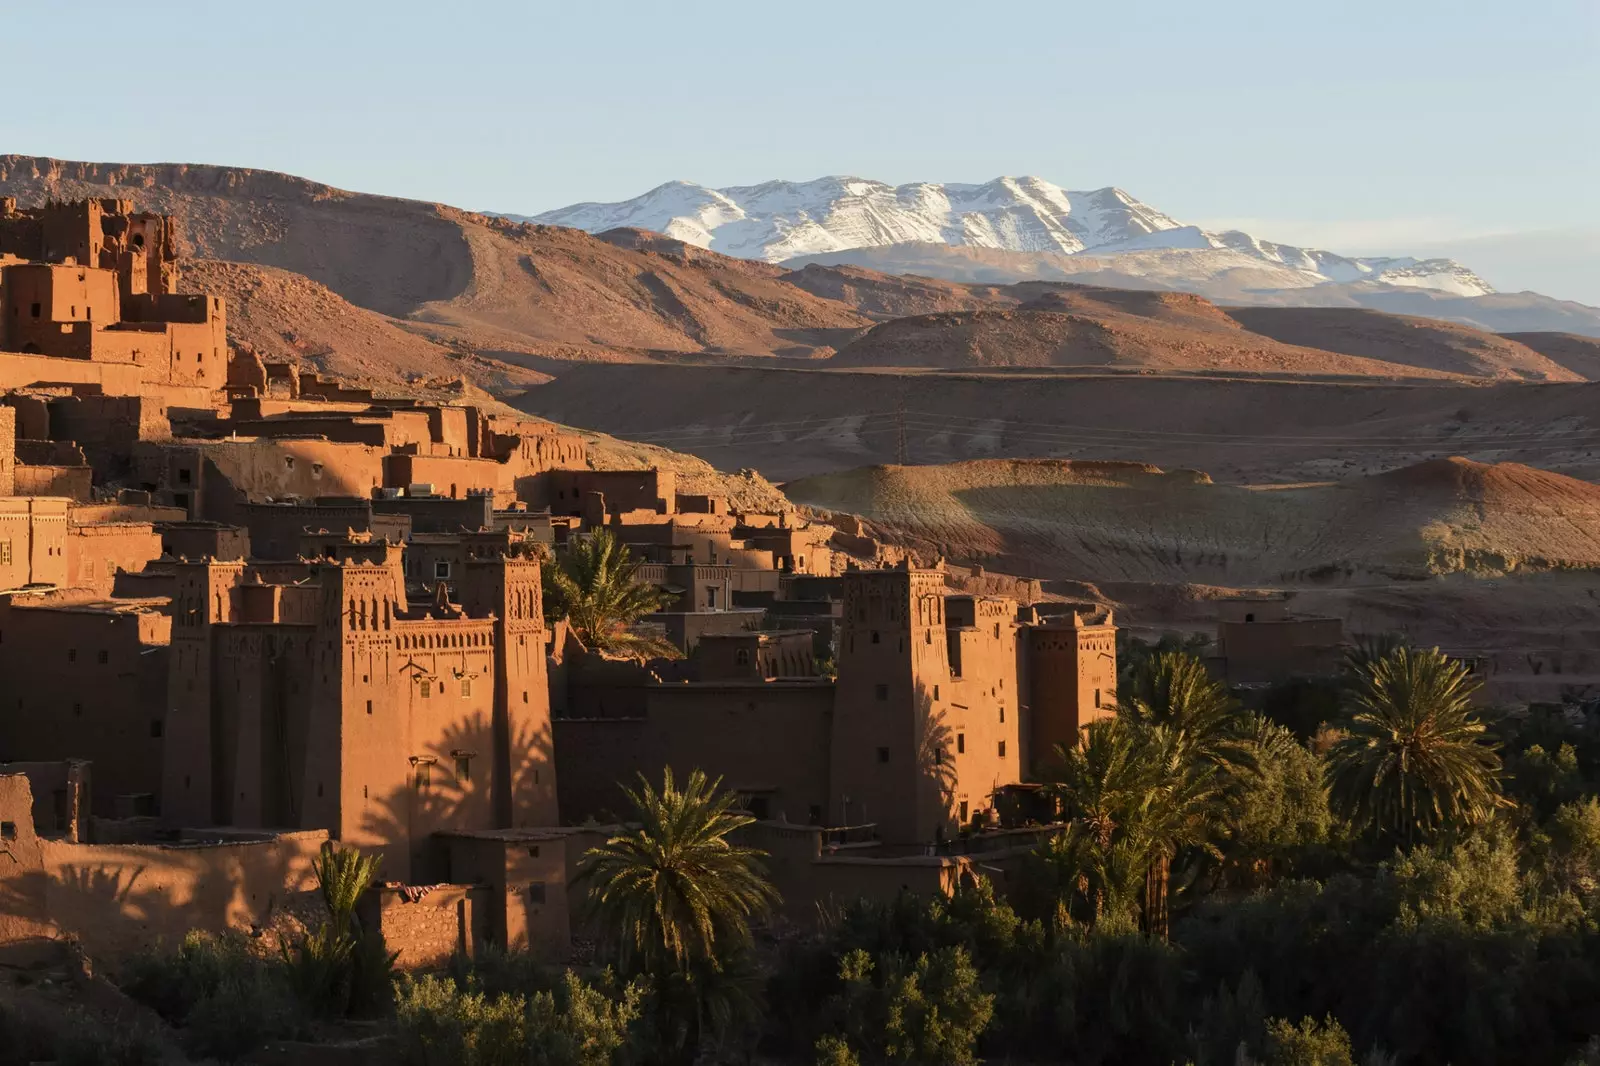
1464,127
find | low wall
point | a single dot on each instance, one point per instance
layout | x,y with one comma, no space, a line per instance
426,925
116,899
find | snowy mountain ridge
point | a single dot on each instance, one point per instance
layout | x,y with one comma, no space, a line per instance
781,220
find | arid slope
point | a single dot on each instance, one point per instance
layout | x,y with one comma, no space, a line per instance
1166,331
1133,522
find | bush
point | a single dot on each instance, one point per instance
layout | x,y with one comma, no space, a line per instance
228,1000
443,1024
1308,1044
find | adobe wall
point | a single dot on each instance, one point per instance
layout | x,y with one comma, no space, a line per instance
19,371
526,873
71,482
97,553
8,450
118,899
1072,681
764,740
976,717
813,883
428,925
33,541
308,468
79,685
1276,650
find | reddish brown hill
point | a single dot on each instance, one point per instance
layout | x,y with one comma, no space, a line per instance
1419,342
893,296
1579,354
483,283
284,315
1109,339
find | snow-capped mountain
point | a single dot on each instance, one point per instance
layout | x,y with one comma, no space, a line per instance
780,220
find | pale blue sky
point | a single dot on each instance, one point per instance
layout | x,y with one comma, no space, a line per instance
1397,127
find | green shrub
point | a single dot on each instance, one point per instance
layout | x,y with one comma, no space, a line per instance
228,1000
442,1024
1308,1044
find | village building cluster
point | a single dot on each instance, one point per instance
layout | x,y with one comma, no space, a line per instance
245,609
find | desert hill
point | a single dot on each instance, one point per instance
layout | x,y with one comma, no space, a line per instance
1135,522
1581,355
470,280
1079,326
1224,274
792,423
287,316
1411,341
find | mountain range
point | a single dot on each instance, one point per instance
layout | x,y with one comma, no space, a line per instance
780,221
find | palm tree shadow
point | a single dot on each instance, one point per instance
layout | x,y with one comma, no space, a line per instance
934,743
465,786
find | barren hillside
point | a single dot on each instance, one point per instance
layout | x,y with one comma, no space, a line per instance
792,423
1581,355
1417,342
1134,522
483,283
1088,327
284,315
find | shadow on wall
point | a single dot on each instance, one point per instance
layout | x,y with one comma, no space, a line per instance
458,790
935,765
118,899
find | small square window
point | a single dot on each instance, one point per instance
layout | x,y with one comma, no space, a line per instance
536,892
883,754
185,477
441,568
874,636
1002,749
463,768
8,830
533,851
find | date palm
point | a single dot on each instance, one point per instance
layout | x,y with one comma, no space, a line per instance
594,584
675,899
1136,795
1414,759
1173,690
675,892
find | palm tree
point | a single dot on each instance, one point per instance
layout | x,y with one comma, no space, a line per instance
594,585
1174,690
1136,795
676,900
1102,783
1413,759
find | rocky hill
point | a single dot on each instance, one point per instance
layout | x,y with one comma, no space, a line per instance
1085,327
1135,522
